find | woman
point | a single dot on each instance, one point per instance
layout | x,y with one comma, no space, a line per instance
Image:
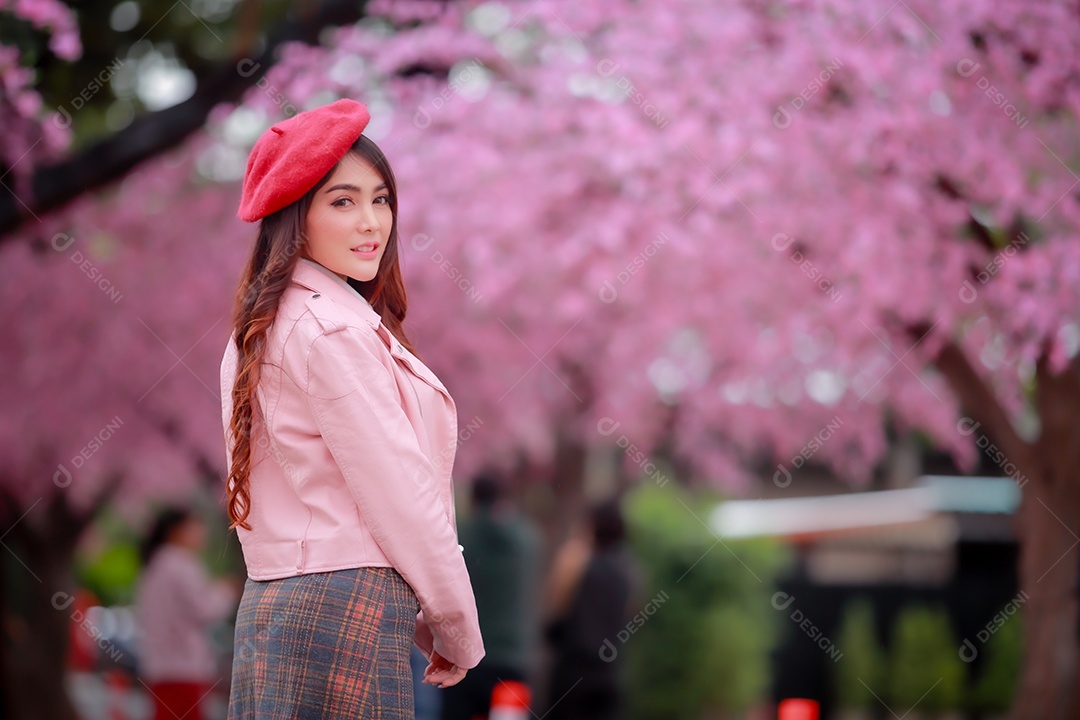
175,604
340,444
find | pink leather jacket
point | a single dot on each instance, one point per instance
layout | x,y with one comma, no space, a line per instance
352,459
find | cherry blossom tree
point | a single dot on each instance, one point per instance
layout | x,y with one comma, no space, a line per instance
711,234
717,231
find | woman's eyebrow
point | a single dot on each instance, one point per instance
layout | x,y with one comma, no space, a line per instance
352,188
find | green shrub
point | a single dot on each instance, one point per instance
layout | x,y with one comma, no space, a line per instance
861,669
993,692
706,649
926,674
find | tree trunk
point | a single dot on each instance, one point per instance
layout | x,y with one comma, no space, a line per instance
1049,529
38,583
37,631
1047,525
561,481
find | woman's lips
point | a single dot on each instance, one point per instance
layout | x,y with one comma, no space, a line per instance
366,254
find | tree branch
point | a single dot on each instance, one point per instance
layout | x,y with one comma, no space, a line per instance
979,401
149,135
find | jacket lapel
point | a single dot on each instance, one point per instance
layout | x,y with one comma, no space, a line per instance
313,277
413,363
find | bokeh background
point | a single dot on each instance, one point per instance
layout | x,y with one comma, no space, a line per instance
796,281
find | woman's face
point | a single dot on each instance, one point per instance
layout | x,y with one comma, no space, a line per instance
349,215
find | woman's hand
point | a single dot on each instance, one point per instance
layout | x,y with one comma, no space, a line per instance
442,673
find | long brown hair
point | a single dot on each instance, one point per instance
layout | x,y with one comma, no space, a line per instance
278,248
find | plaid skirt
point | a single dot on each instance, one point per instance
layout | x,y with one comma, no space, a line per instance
325,645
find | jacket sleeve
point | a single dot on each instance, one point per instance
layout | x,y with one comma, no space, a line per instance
422,636
356,408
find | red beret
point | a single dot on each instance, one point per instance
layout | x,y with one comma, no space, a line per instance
293,155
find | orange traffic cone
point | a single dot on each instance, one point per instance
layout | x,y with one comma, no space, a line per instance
510,701
797,709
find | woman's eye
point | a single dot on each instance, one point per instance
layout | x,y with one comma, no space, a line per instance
383,199
341,202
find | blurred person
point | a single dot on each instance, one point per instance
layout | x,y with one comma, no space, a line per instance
590,587
501,554
340,443
176,603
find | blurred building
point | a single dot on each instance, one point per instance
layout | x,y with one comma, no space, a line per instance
945,541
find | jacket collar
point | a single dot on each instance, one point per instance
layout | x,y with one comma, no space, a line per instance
316,278
313,276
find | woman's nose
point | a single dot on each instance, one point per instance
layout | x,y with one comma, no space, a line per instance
368,220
